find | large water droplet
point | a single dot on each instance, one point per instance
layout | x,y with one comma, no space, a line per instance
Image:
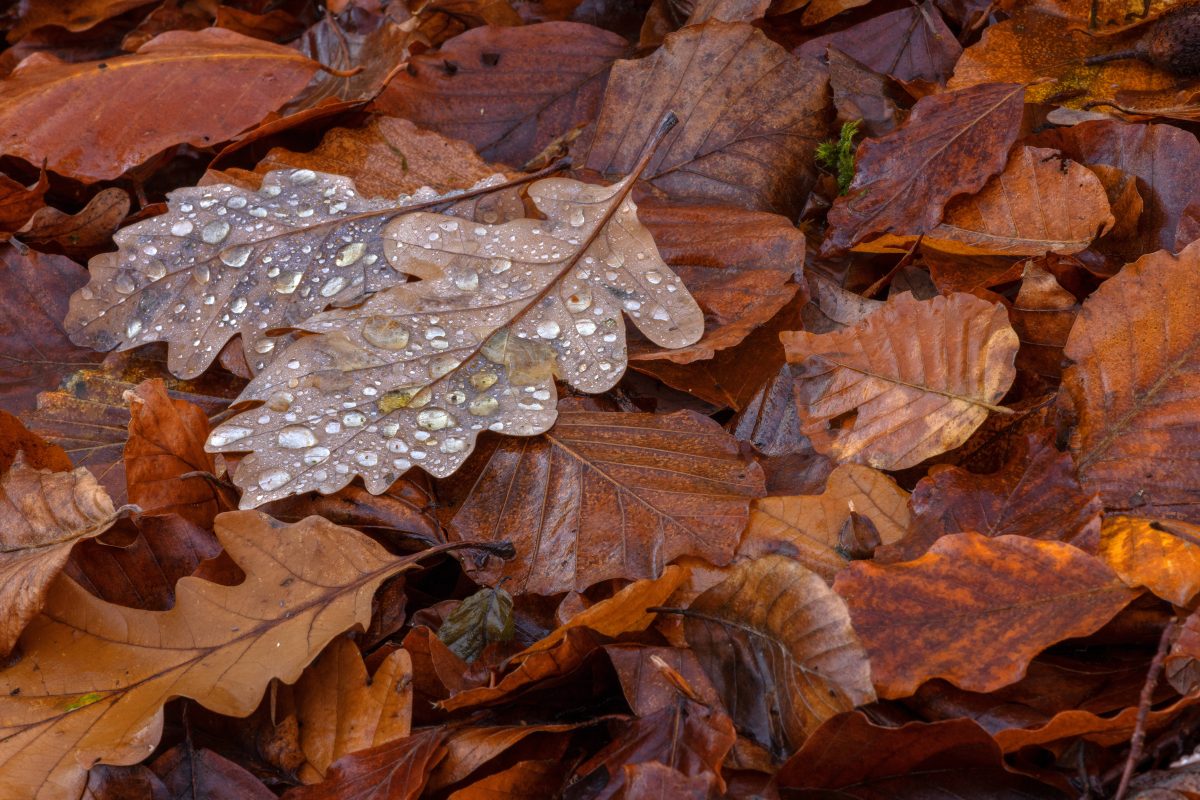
316,456
349,254
385,333
585,327
280,401
333,286
215,231
182,228
453,445
577,218
653,278
273,479
434,419
467,281
302,177
236,256
223,436
484,380
367,459
442,365
294,437
133,328
124,283
548,329
238,305
288,281
483,406
579,302
353,419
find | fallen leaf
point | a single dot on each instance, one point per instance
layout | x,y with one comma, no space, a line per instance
202,774
806,528
1042,314
1041,203
202,648
751,115
777,644
1035,495
603,496
82,234
73,15
17,440
488,362
951,144
369,53
975,609
166,444
1182,665
1163,556
482,618
18,203
543,778
342,709
647,687
397,770
472,750
47,513
74,117
1136,355
507,91
911,381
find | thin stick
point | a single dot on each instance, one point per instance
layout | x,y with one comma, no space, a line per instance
874,288
1139,728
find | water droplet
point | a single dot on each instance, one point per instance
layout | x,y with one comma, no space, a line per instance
467,281
660,313
223,436
449,225
150,250
501,265
632,305
653,278
133,328
265,346
182,228
367,459
453,445
456,397
385,333
439,343
124,283
434,332
484,380
442,365
302,177
236,256
577,218
333,427
273,479
585,327
215,232
316,456
209,299
434,419
390,429
237,201
483,406
238,305
349,254
548,329
288,281
353,419
294,437
579,302
333,286
280,401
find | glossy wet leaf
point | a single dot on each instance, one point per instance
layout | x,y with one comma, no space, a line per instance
910,381
480,619
412,376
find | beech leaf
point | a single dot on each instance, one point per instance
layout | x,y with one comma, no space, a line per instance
1162,555
413,375
94,676
910,381
483,618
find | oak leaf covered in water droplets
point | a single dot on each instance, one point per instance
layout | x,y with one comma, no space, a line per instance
226,261
414,374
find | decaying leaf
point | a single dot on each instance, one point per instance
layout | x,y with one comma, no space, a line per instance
604,496
219,645
910,381
413,375
46,513
227,261
481,619
974,610
1134,387
777,644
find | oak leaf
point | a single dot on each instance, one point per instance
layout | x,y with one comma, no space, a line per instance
1134,387
602,496
46,514
950,145
94,120
975,609
778,646
219,645
413,375
910,381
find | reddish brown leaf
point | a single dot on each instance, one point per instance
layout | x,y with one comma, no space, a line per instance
394,771
18,203
1042,315
507,91
79,235
603,496
470,749
1182,666
909,382
950,145
777,644
646,687
751,148
534,778
16,439
1034,495
1134,386
93,121
204,775
35,352
74,15
974,610
166,443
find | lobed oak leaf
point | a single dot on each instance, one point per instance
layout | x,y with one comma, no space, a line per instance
47,513
413,375
950,145
975,609
1041,203
806,527
778,646
908,382
1134,387
604,496
94,120
226,261
94,676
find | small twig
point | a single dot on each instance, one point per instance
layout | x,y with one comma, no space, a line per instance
1179,533
874,288
1139,728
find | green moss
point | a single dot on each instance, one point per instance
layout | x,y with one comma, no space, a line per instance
838,157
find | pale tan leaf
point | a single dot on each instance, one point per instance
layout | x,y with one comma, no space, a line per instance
806,527
94,676
910,381
44,514
778,646
418,371
225,260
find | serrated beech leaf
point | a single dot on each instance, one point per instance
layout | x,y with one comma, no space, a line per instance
413,375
